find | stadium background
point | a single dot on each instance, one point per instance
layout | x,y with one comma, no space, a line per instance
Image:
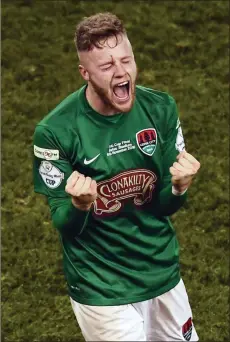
181,47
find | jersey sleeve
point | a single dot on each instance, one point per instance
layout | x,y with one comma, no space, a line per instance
174,141
168,202
51,169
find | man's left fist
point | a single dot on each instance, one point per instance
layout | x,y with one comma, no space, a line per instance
183,171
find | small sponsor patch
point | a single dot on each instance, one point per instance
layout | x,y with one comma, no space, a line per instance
44,153
187,329
51,175
147,140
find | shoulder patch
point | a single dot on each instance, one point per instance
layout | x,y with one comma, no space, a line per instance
180,145
178,123
45,153
50,174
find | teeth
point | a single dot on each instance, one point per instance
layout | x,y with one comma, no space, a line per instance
121,84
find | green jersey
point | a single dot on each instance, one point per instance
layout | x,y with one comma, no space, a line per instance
124,249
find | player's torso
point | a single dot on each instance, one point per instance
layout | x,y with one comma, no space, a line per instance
123,154
121,249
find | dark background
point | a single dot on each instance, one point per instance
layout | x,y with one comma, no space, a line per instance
181,47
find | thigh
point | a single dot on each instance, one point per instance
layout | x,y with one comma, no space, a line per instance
172,317
109,323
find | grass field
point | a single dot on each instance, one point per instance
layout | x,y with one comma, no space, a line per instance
181,47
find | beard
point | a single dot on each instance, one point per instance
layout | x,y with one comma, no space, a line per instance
106,98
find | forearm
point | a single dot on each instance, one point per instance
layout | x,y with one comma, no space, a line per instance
66,218
169,203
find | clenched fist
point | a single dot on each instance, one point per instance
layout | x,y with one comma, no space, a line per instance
183,171
82,189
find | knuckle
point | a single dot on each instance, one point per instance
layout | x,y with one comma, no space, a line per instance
67,187
77,193
77,186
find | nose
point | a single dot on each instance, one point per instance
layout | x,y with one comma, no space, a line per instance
120,71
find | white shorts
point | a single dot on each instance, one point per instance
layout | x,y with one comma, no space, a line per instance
165,318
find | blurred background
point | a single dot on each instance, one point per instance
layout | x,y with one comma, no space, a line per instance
181,47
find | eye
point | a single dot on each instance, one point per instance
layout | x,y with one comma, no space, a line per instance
105,69
126,60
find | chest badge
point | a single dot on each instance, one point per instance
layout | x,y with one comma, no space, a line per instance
147,140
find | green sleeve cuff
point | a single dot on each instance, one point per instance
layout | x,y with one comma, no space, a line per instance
169,203
67,218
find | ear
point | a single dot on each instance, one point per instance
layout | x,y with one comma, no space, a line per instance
84,73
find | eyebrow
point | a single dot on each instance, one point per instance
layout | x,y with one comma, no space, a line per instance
126,57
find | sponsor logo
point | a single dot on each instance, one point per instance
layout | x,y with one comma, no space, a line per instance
137,184
180,145
87,162
50,174
75,288
147,140
47,154
187,329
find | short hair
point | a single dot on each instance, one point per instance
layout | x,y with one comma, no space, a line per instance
94,31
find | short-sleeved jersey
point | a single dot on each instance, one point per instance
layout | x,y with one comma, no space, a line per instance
127,251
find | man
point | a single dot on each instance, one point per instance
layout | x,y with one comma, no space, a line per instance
111,161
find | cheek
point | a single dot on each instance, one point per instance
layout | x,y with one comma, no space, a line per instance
103,82
132,70
97,79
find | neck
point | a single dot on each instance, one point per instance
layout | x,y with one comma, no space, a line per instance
97,104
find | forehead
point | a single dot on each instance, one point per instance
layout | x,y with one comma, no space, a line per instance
111,48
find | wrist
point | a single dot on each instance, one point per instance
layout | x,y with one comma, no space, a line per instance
178,192
80,206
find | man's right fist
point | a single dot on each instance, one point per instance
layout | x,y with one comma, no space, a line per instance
82,189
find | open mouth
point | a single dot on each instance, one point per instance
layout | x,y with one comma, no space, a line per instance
121,90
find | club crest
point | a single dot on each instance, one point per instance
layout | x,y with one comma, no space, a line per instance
147,140
187,329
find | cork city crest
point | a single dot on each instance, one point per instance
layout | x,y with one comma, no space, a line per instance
136,185
187,329
147,140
